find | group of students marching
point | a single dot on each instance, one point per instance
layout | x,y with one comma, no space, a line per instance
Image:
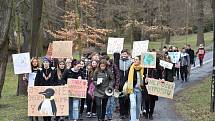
102,72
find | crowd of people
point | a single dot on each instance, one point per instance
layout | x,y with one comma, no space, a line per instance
122,73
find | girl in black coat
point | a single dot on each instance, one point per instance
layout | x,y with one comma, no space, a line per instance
57,75
44,78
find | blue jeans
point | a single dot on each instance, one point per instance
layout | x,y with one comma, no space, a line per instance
110,107
135,103
73,108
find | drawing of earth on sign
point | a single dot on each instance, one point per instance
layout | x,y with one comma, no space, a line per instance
149,60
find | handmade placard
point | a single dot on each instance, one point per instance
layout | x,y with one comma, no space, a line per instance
115,45
139,47
161,89
62,49
48,101
149,59
77,88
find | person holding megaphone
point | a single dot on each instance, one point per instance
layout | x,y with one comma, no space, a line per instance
103,79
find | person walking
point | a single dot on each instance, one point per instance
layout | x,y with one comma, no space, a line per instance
134,88
201,53
184,65
103,78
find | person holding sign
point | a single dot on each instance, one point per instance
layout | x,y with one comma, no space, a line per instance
155,73
201,53
44,78
124,64
103,78
74,73
134,88
168,74
35,68
91,104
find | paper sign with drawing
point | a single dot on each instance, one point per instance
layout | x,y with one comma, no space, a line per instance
21,63
62,49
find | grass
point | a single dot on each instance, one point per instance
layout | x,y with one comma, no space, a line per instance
179,41
193,103
12,107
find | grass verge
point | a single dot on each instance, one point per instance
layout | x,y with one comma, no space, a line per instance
12,107
193,103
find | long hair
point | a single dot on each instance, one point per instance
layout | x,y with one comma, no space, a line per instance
59,72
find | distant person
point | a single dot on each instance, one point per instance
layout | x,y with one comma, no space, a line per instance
201,53
184,64
191,53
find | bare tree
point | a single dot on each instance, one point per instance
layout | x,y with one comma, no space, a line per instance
200,22
5,21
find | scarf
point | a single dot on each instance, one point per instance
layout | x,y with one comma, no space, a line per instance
131,77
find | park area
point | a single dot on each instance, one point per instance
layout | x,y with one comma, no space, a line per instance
76,31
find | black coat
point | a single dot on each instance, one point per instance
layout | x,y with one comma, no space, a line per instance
69,73
192,55
40,80
56,80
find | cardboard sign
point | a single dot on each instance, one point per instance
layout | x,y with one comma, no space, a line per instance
31,79
158,88
166,64
21,63
77,88
48,101
115,45
175,56
139,47
49,51
62,49
149,60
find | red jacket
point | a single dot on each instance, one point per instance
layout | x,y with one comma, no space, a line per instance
201,53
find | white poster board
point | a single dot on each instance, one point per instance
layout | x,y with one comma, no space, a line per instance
21,63
166,64
175,56
31,79
115,45
139,47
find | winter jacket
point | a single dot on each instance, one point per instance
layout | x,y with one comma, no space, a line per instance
124,65
40,80
191,54
201,53
184,59
115,70
107,80
71,73
56,80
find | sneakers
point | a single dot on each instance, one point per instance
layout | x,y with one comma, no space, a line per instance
94,115
88,115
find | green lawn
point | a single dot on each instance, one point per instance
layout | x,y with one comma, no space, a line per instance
193,103
180,41
12,107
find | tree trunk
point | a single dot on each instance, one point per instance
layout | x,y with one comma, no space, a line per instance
200,22
5,20
37,6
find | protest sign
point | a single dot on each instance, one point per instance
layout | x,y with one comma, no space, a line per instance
31,79
158,88
49,51
139,47
175,56
77,88
62,49
149,60
166,64
115,45
48,101
21,63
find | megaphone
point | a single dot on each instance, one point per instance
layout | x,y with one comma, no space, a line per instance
109,91
116,93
